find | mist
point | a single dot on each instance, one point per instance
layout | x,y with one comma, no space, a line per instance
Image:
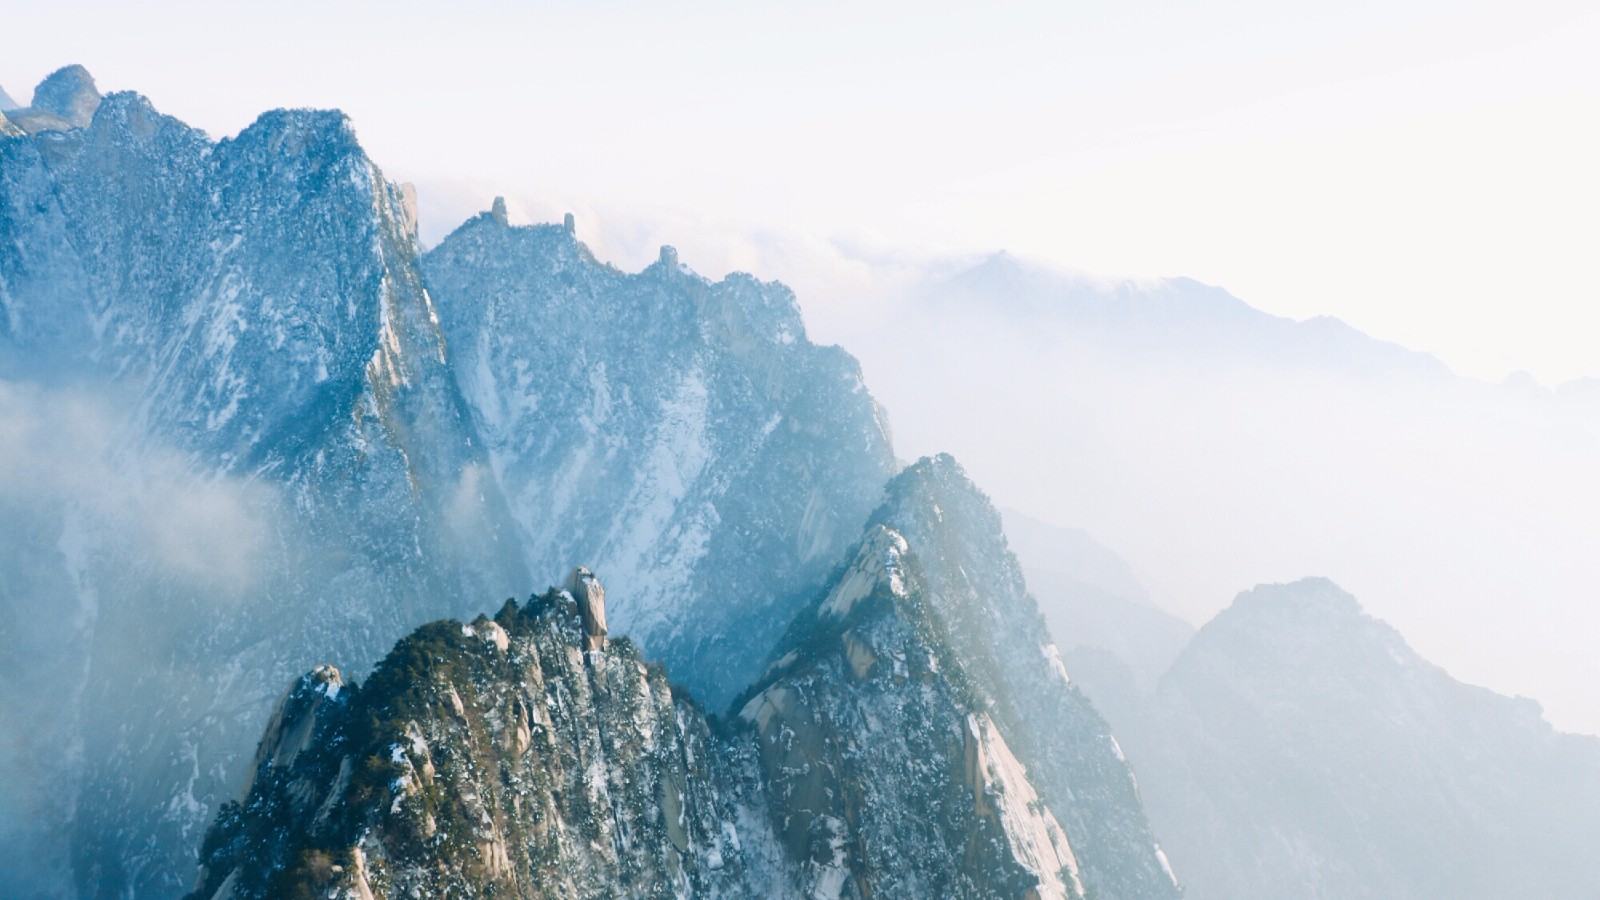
102,524
78,448
1217,449
1213,446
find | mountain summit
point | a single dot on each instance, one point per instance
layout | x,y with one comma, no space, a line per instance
1294,719
272,432
914,736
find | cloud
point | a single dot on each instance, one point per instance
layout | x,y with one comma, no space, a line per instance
78,451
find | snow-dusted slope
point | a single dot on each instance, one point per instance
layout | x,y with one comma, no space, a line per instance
249,430
494,759
241,430
915,736
681,435
236,444
920,706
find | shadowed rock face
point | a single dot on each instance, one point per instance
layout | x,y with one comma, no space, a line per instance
405,435
919,706
881,755
501,758
246,316
253,314
682,436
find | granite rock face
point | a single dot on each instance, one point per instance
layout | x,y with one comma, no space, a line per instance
500,758
733,459
246,325
255,428
67,98
244,447
922,695
886,751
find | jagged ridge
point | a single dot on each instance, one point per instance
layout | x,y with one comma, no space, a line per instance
883,753
500,756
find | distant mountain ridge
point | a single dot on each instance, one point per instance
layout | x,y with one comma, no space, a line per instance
1215,445
1299,748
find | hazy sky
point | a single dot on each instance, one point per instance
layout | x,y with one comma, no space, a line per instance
1423,170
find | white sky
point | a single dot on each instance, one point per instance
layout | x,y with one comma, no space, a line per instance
1424,170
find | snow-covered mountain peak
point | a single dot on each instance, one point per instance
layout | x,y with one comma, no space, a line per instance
301,143
697,410
6,103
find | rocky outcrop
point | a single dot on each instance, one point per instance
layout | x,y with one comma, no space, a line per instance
404,435
998,641
501,758
882,754
590,596
681,435
67,98
253,313
245,316
919,731
886,778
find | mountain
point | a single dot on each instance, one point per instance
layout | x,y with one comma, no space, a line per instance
929,658
1215,445
67,98
505,756
238,439
1092,600
680,434
244,326
1300,748
889,751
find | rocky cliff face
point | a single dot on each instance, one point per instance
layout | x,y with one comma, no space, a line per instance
889,776
1299,748
255,428
683,435
500,758
884,753
249,324
933,625
244,445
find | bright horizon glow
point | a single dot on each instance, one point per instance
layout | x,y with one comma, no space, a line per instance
1423,172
